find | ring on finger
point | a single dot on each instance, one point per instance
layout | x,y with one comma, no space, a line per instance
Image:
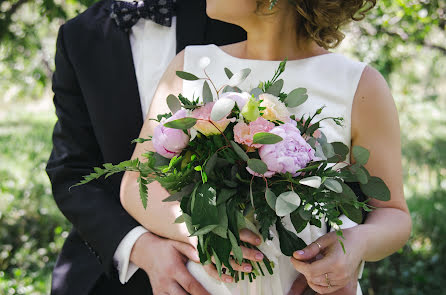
319,245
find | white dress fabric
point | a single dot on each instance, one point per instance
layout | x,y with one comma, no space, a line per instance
331,80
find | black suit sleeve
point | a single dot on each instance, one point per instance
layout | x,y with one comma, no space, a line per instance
93,209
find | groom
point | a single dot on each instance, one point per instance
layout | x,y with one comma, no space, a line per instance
100,107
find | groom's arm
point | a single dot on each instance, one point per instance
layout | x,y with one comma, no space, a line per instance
94,208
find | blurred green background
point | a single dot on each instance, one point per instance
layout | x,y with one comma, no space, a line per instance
404,40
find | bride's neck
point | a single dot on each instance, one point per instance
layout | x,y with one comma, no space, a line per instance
275,37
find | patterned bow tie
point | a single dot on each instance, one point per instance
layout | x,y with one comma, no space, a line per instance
126,14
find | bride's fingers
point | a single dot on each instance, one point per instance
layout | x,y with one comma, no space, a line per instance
245,267
187,250
251,254
212,271
249,237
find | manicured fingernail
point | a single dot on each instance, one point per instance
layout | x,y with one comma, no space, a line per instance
228,280
247,268
300,252
258,241
259,256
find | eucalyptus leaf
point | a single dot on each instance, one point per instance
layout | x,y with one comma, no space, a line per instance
228,73
305,214
271,198
287,202
276,88
347,193
239,151
256,92
312,181
360,154
340,150
187,76
376,188
239,77
173,103
328,150
257,166
207,93
183,123
222,108
266,138
333,185
296,97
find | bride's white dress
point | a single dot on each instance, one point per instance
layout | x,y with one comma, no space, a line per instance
331,80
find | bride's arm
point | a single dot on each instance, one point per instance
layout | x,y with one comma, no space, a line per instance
159,216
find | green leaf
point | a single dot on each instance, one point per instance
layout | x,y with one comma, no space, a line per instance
271,198
222,108
204,209
220,231
256,92
217,262
376,188
298,222
328,150
143,191
141,140
173,103
239,77
340,150
287,202
359,173
224,195
180,219
228,73
306,215
187,76
289,242
207,93
296,97
204,230
353,213
236,250
257,166
348,193
187,190
183,123
266,138
276,88
210,164
239,151
312,181
333,185
311,129
361,154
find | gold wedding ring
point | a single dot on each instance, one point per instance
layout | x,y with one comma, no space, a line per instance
319,245
327,280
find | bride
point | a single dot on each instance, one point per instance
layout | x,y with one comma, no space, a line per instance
301,31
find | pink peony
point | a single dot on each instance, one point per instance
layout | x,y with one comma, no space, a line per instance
169,142
244,133
289,155
204,124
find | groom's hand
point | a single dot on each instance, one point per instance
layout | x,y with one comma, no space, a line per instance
164,261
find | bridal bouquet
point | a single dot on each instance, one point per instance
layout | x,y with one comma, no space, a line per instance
242,160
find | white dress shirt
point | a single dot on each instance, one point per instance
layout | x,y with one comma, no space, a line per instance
153,47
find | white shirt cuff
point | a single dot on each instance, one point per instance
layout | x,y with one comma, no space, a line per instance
347,223
127,269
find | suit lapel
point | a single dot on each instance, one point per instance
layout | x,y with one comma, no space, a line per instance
122,105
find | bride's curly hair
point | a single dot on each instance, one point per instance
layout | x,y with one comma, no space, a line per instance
321,20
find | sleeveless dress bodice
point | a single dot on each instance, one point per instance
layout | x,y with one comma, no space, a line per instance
331,80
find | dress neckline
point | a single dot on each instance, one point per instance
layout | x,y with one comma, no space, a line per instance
314,57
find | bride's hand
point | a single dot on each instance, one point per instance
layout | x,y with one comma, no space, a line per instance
250,254
335,270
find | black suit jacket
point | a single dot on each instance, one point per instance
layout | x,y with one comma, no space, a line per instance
99,113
